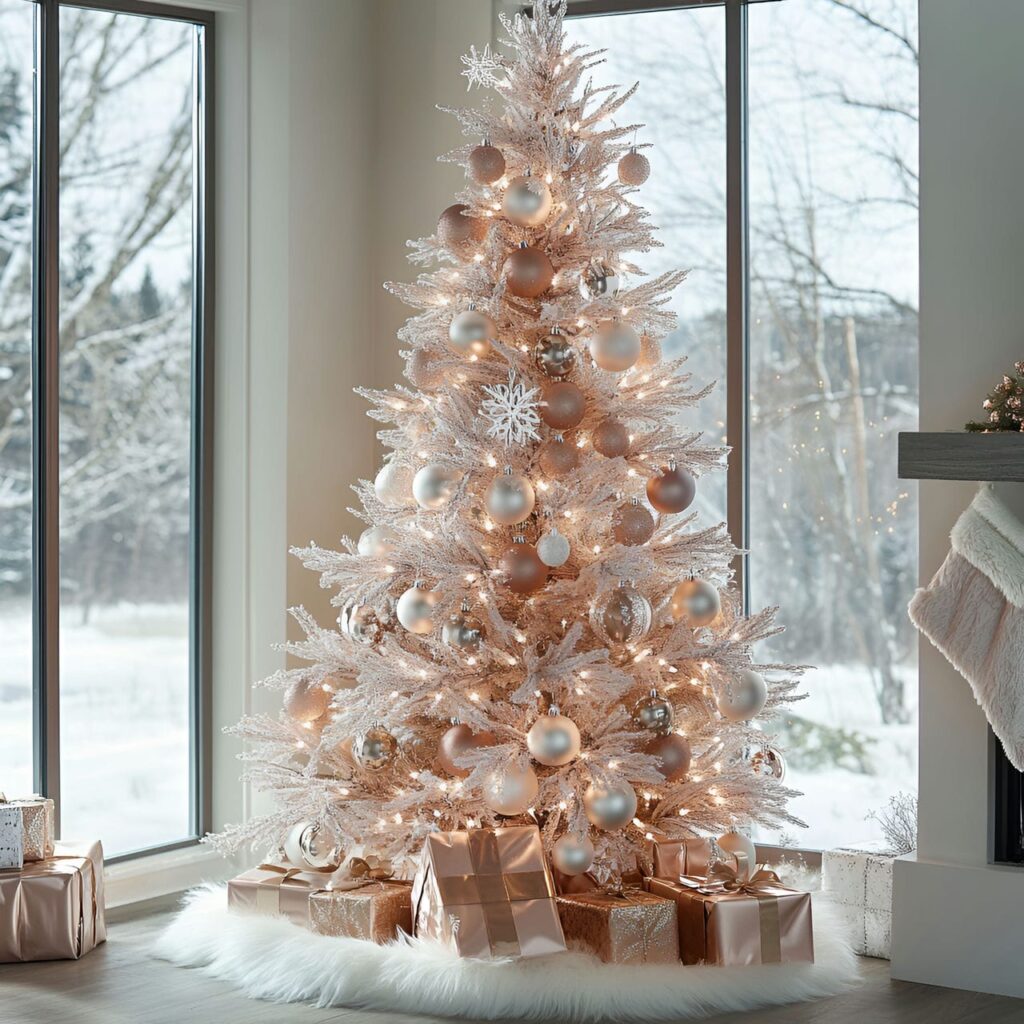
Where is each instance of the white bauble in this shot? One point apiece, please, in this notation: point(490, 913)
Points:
point(378, 542)
point(553, 740)
point(573, 854)
point(307, 845)
point(610, 806)
point(511, 791)
point(415, 609)
point(615, 346)
point(736, 842)
point(743, 696)
point(527, 201)
point(553, 549)
point(435, 484)
point(393, 485)
point(470, 333)
point(510, 498)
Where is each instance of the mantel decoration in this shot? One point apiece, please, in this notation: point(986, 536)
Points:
point(1004, 406)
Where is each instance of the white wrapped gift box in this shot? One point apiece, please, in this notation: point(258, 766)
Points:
point(858, 880)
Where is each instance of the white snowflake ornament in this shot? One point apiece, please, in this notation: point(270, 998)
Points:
point(512, 411)
point(482, 68)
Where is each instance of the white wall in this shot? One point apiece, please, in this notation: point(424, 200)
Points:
point(957, 919)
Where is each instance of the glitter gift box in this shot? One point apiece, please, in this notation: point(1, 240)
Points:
point(858, 881)
point(12, 850)
point(37, 826)
point(371, 910)
point(53, 908)
point(625, 927)
point(277, 889)
point(670, 858)
point(487, 893)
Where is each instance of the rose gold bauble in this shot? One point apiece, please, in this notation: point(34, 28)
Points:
point(632, 524)
point(674, 751)
point(459, 740)
point(563, 405)
point(421, 371)
point(558, 457)
point(306, 701)
point(456, 230)
point(634, 168)
point(486, 164)
point(611, 438)
point(671, 489)
point(523, 567)
point(528, 272)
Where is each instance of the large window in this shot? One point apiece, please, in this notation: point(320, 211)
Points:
point(103, 449)
point(808, 319)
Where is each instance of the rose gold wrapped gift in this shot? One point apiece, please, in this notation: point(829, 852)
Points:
point(53, 909)
point(625, 927)
point(37, 826)
point(725, 919)
point(277, 889)
point(671, 858)
point(371, 910)
point(487, 893)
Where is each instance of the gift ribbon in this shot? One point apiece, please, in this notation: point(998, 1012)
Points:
point(268, 892)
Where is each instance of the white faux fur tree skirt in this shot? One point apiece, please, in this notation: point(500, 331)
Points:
point(270, 958)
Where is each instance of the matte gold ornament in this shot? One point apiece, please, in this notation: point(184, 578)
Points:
point(650, 352)
point(486, 164)
point(736, 842)
point(458, 231)
point(610, 805)
point(555, 355)
point(435, 484)
point(743, 696)
point(470, 332)
point(459, 740)
point(653, 713)
point(563, 406)
point(359, 622)
point(769, 762)
point(553, 740)
point(528, 271)
point(378, 542)
point(634, 168)
point(632, 524)
point(614, 346)
point(553, 549)
point(599, 281)
point(558, 458)
point(573, 853)
point(511, 790)
point(611, 438)
point(306, 701)
point(393, 485)
point(696, 602)
point(308, 845)
point(374, 749)
point(675, 753)
point(527, 201)
point(623, 617)
point(415, 609)
point(524, 571)
point(463, 630)
point(510, 498)
point(671, 489)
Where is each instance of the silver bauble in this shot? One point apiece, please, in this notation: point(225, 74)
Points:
point(378, 542)
point(696, 602)
point(768, 762)
point(623, 617)
point(733, 843)
point(415, 609)
point(463, 631)
point(511, 790)
point(599, 281)
point(435, 484)
point(553, 740)
point(510, 498)
point(610, 806)
point(470, 333)
point(573, 854)
point(653, 713)
point(393, 485)
point(374, 749)
point(555, 355)
point(527, 201)
point(307, 845)
point(359, 622)
point(553, 549)
point(743, 696)
point(614, 346)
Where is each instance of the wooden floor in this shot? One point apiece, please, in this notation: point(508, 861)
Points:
point(120, 983)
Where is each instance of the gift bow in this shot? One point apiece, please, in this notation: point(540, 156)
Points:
point(725, 877)
point(360, 872)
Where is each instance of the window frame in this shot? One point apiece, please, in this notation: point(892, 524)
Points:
point(46, 410)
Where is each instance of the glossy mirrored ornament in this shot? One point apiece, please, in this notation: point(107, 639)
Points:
point(573, 854)
point(459, 740)
point(553, 740)
point(527, 201)
point(435, 484)
point(378, 542)
point(743, 696)
point(696, 602)
point(415, 609)
point(622, 617)
point(610, 805)
point(308, 845)
point(733, 843)
point(555, 355)
point(471, 331)
point(599, 281)
point(769, 762)
point(374, 749)
point(463, 630)
point(671, 489)
point(359, 622)
point(653, 713)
